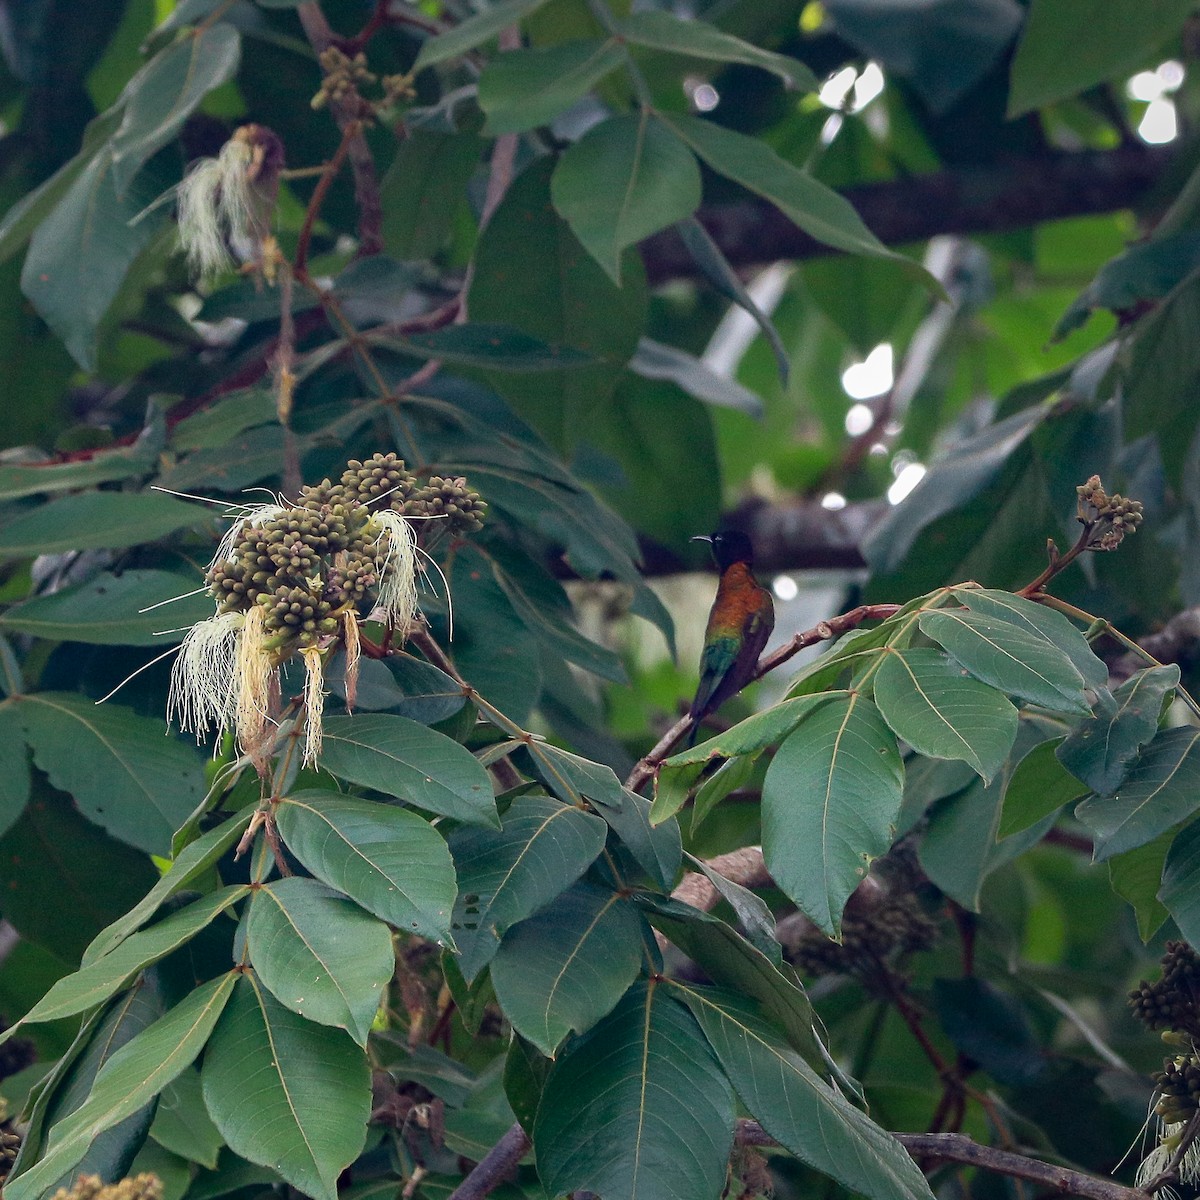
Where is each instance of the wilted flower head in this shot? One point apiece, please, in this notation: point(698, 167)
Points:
point(298, 579)
point(227, 201)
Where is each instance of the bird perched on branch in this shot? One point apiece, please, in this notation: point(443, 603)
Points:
point(739, 625)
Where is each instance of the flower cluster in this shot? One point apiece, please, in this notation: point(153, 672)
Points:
point(1170, 1004)
point(1107, 518)
point(299, 579)
point(92, 1187)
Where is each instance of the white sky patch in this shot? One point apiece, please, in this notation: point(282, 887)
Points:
point(706, 98)
point(871, 377)
point(858, 420)
point(1160, 124)
point(904, 483)
point(785, 587)
point(832, 501)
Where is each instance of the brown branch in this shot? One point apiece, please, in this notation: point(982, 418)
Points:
point(1011, 194)
point(496, 1166)
point(957, 1147)
point(328, 174)
point(744, 866)
point(347, 112)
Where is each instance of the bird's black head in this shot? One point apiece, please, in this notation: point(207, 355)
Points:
point(729, 547)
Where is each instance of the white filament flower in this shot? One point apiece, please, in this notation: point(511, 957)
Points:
point(202, 693)
point(216, 207)
point(397, 558)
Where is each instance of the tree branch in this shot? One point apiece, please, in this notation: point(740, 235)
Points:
point(1012, 194)
point(497, 1165)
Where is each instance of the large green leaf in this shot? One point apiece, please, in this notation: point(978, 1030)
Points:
point(390, 861)
point(747, 739)
point(498, 347)
point(1040, 622)
point(1179, 892)
point(626, 178)
point(638, 1107)
point(1160, 790)
point(941, 711)
point(411, 762)
point(182, 1124)
point(192, 862)
point(286, 1093)
point(565, 967)
point(133, 1076)
point(698, 39)
point(96, 519)
point(1107, 39)
point(543, 848)
point(118, 462)
point(560, 294)
point(423, 190)
point(796, 1106)
point(526, 88)
point(830, 801)
point(129, 609)
point(1100, 750)
point(658, 849)
point(1039, 786)
point(161, 96)
point(1137, 876)
point(731, 960)
point(815, 208)
point(14, 769)
point(474, 31)
point(320, 954)
point(1009, 658)
point(79, 255)
point(103, 978)
point(122, 769)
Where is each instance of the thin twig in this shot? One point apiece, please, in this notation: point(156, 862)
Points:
point(496, 1166)
point(328, 174)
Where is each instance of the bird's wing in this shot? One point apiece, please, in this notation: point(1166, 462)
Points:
point(718, 659)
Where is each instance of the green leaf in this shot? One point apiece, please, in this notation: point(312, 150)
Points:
point(699, 39)
point(796, 1106)
point(1040, 622)
point(564, 968)
point(103, 978)
point(319, 953)
point(731, 960)
point(79, 255)
point(656, 360)
point(1007, 657)
point(423, 190)
point(1039, 786)
point(1137, 875)
point(474, 31)
point(815, 208)
point(638, 1107)
point(120, 462)
point(1100, 750)
point(658, 849)
point(193, 861)
point(561, 295)
point(14, 769)
point(829, 805)
point(392, 862)
point(747, 738)
point(109, 611)
point(1107, 39)
point(989, 1027)
point(1179, 892)
point(122, 769)
point(493, 346)
point(133, 1076)
point(941, 711)
point(1160, 790)
point(543, 848)
point(411, 762)
point(182, 1124)
point(626, 178)
point(286, 1093)
point(526, 88)
point(164, 93)
point(93, 520)
point(751, 911)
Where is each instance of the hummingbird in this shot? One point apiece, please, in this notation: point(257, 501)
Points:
point(739, 625)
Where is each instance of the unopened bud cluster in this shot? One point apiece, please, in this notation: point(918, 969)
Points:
point(1109, 518)
point(345, 77)
point(1173, 1001)
point(92, 1187)
point(306, 564)
point(10, 1147)
point(874, 937)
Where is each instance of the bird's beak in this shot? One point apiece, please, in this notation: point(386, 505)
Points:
point(701, 537)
